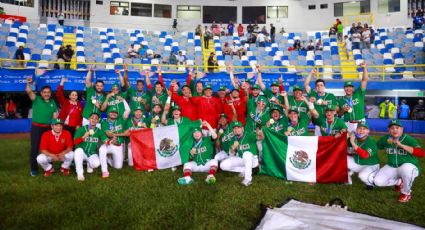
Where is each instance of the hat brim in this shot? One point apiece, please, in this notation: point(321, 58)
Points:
point(399, 125)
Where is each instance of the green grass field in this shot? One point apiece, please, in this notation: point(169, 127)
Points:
point(142, 200)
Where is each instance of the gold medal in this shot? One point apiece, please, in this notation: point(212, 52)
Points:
point(139, 99)
point(350, 110)
point(139, 124)
point(319, 102)
point(273, 99)
point(91, 131)
point(390, 141)
point(193, 151)
point(290, 128)
point(93, 101)
point(221, 131)
point(156, 117)
point(271, 121)
point(236, 143)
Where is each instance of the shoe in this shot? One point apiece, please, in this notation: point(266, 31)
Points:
point(80, 177)
point(403, 198)
point(89, 169)
point(210, 179)
point(105, 175)
point(369, 187)
point(399, 187)
point(246, 182)
point(150, 170)
point(49, 172)
point(184, 181)
point(173, 169)
point(34, 173)
point(65, 171)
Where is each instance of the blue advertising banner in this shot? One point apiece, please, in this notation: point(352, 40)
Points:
point(75, 79)
point(15, 80)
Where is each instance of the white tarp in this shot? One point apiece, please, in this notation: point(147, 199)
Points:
point(297, 215)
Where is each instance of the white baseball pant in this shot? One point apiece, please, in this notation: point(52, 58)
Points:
point(193, 167)
point(221, 156)
point(45, 161)
point(117, 153)
point(367, 173)
point(388, 176)
point(240, 165)
point(129, 155)
point(79, 156)
point(86, 122)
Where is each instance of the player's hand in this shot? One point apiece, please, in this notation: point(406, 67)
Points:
point(283, 93)
point(63, 80)
point(117, 71)
point(97, 104)
point(61, 157)
point(258, 68)
point(86, 135)
point(312, 99)
point(287, 133)
point(29, 80)
point(205, 123)
point(111, 94)
point(231, 68)
point(363, 65)
point(338, 135)
point(167, 107)
point(90, 68)
point(346, 108)
point(352, 137)
point(190, 69)
point(120, 98)
point(280, 80)
point(313, 71)
point(143, 101)
point(230, 102)
point(192, 152)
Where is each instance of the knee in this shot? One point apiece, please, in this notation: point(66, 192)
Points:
point(364, 177)
point(69, 156)
point(379, 181)
point(225, 165)
point(41, 159)
point(94, 162)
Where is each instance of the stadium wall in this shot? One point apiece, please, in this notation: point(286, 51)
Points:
point(299, 17)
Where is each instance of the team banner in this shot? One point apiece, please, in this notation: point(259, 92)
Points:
point(305, 159)
point(14, 80)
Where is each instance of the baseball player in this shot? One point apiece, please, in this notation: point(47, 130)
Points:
point(114, 127)
point(321, 97)
point(243, 153)
point(158, 93)
point(201, 155)
point(94, 97)
point(402, 168)
point(177, 119)
point(86, 140)
point(351, 106)
point(209, 107)
point(298, 125)
point(116, 99)
point(154, 118)
point(277, 122)
point(56, 145)
point(330, 125)
point(138, 97)
point(257, 115)
point(298, 103)
point(364, 159)
point(137, 122)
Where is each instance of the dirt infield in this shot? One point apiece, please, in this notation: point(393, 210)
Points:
point(15, 136)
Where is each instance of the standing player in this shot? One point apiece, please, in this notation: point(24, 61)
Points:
point(402, 168)
point(298, 125)
point(321, 97)
point(94, 97)
point(158, 93)
point(209, 107)
point(202, 156)
point(330, 125)
point(364, 159)
point(86, 140)
point(56, 145)
point(351, 106)
point(298, 102)
point(43, 111)
point(71, 109)
point(188, 109)
point(177, 118)
point(257, 115)
point(138, 97)
point(114, 127)
point(243, 153)
point(116, 99)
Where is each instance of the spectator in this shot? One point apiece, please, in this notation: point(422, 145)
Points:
point(359, 27)
point(340, 30)
point(68, 53)
point(131, 53)
point(264, 31)
point(235, 50)
point(175, 25)
point(311, 46)
point(250, 28)
point(355, 39)
point(332, 31)
point(19, 56)
point(256, 28)
point(207, 37)
point(282, 31)
point(240, 30)
point(319, 45)
point(60, 57)
point(181, 59)
point(272, 33)
point(372, 35)
point(404, 110)
point(387, 109)
point(61, 18)
point(71, 112)
point(10, 108)
point(297, 45)
point(212, 63)
point(198, 30)
point(251, 39)
point(353, 28)
point(261, 40)
point(222, 29)
point(217, 30)
point(418, 20)
point(418, 112)
point(230, 28)
point(366, 37)
point(226, 49)
point(172, 60)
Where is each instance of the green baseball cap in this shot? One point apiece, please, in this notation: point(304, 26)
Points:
point(247, 80)
point(197, 129)
point(185, 86)
point(395, 122)
point(176, 107)
point(262, 98)
point(223, 115)
point(256, 86)
point(236, 124)
point(273, 108)
point(363, 124)
point(330, 107)
point(115, 85)
point(222, 88)
point(275, 83)
point(297, 87)
point(57, 121)
point(207, 87)
point(112, 109)
point(138, 108)
point(348, 83)
point(293, 110)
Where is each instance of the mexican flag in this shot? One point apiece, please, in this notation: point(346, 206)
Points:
point(305, 159)
point(162, 147)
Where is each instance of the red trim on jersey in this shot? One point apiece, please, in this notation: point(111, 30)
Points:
point(418, 152)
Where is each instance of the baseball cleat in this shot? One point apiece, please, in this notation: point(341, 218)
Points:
point(403, 198)
point(49, 172)
point(65, 171)
point(185, 181)
point(210, 179)
point(80, 178)
point(399, 187)
point(105, 175)
point(246, 182)
point(34, 173)
point(89, 169)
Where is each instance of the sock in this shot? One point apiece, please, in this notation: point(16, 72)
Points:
point(213, 170)
point(187, 173)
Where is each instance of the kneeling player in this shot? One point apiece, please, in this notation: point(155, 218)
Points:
point(86, 140)
point(402, 167)
point(56, 145)
point(365, 156)
point(243, 153)
point(201, 156)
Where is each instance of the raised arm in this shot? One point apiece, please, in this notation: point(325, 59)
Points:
point(30, 93)
point(232, 78)
point(285, 106)
point(148, 79)
point(164, 120)
point(260, 79)
point(59, 94)
point(127, 84)
point(127, 109)
point(212, 131)
point(160, 79)
point(308, 79)
point(281, 87)
point(311, 108)
point(88, 76)
point(365, 77)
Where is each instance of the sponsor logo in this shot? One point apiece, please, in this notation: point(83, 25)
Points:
point(167, 148)
point(300, 160)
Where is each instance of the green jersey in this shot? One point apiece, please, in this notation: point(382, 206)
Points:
point(90, 143)
point(255, 118)
point(247, 143)
point(117, 103)
point(300, 129)
point(226, 139)
point(396, 155)
point(183, 120)
point(155, 98)
point(117, 126)
point(134, 124)
point(356, 103)
point(368, 145)
point(329, 98)
point(330, 128)
point(136, 99)
point(91, 99)
point(280, 125)
point(157, 120)
point(204, 150)
point(43, 110)
point(273, 97)
point(300, 106)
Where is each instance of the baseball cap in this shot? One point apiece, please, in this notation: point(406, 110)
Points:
point(247, 80)
point(262, 98)
point(185, 86)
point(330, 107)
point(363, 124)
point(175, 107)
point(237, 89)
point(293, 110)
point(223, 115)
point(236, 124)
point(197, 129)
point(394, 122)
point(348, 83)
point(138, 108)
point(57, 121)
point(275, 83)
point(207, 87)
point(297, 87)
point(112, 109)
point(273, 108)
point(222, 88)
point(256, 86)
point(115, 85)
